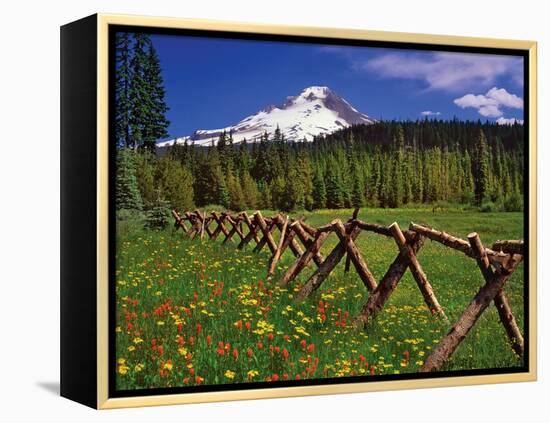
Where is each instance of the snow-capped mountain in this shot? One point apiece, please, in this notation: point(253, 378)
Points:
point(316, 110)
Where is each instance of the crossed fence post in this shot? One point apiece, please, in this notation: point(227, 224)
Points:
point(496, 265)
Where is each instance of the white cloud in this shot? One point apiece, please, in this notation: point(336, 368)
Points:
point(430, 113)
point(445, 71)
point(509, 121)
point(491, 103)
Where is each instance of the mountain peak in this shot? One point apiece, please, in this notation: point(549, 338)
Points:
point(316, 110)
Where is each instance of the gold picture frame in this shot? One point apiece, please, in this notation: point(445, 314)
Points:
point(93, 33)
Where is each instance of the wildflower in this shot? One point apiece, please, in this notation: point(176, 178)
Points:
point(310, 348)
point(229, 374)
point(235, 353)
point(199, 329)
point(251, 374)
point(167, 365)
point(186, 381)
point(208, 340)
point(259, 345)
point(239, 324)
point(270, 336)
point(303, 344)
point(199, 380)
point(285, 376)
point(180, 327)
point(285, 354)
point(274, 377)
point(191, 340)
point(249, 352)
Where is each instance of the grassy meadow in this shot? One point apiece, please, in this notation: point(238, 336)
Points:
point(191, 312)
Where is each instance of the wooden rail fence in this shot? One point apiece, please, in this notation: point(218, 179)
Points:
point(496, 264)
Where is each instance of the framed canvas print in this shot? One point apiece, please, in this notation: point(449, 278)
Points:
point(254, 211)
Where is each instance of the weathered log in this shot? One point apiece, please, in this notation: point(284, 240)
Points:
point(501, 301)
point(469, 317)
point(373, 227)
point(309, 229)
point(220, 223)
point(252, 234)
point(416, 269)
point(235, 226)
point(194, 228)
point(294, 246)
point(461, 245)
point(348, 258)
point(303, 261)
point(266, 232)
point(179, 223)
point(509, 247)
point(297, 227)
point(279, 250)
point(510, 324)
point(328, 266)
point(355, 256)
point(389, 282)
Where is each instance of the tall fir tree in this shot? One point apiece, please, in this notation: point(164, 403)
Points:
point(481, 173)
point(122, 89)
point(127, 195)
point(156, 124)
point(139, 93)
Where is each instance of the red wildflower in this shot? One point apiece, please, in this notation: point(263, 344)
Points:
point(259, 345)
point(285, 376)
point(303, 344)
point(249, 352)
point(199, 329)
point(274, 377)
point(199, 380)
point(310, 348)
point(235, 354)
point(208, 340)
point(239, 324)
point(372, 370)
point(191, 340)
point(298, 377)
point(270, 336)
point(160, 349)
point(247, 325)
point(186, 381)
point(285, 354)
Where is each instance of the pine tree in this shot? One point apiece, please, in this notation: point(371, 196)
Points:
point(250, 190)
point(358, 189)
point(139, 94)
point(122, 89)
point(236, 196)
point(158, 213)
point(481, 173)
point(335, 199)
point(319, 190)
point(176, 182)
point(156, 123)
point(127, 195)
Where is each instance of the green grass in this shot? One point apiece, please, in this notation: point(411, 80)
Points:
point(168, 285)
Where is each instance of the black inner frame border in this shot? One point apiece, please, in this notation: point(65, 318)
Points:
point(316, 40)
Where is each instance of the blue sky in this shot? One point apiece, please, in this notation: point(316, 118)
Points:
point(213, 83)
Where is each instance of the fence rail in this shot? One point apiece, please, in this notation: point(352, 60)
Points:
point(496, 264)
